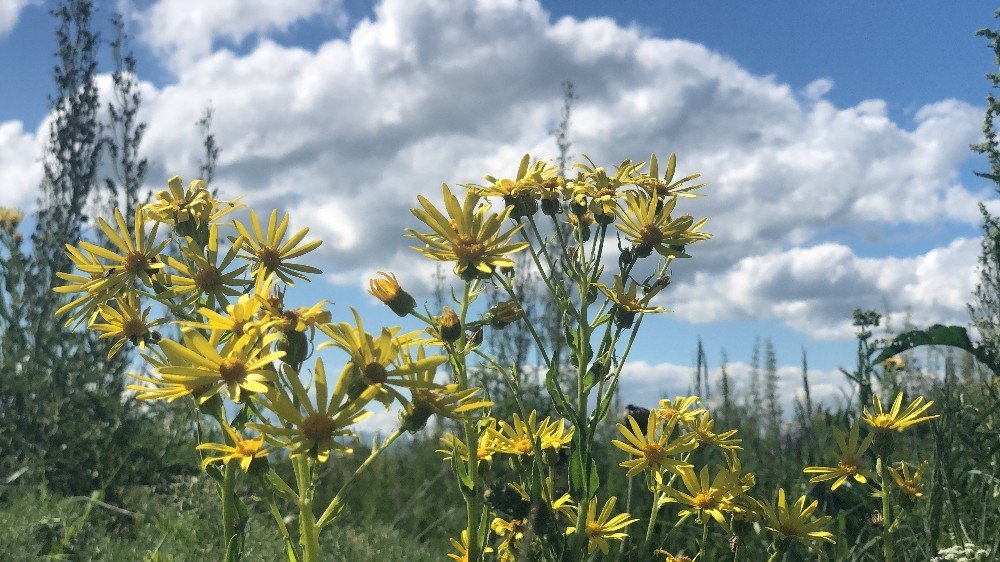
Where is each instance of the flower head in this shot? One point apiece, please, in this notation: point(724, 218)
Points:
point(469, 236)
point(126, 321)
point(602, 527)
point(388, 291)
point(895, 419)
point(175, 205)
point(271, 253)
point(794, 522)
point(646, 222)
point(848, 462)
point(246, 451)
point(313, 426)
point(653, 452)
point(706, 497)
point(909, 484)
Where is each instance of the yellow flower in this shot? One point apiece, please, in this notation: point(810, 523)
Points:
point(447, 401)
point(94, 285)
point(176, 205)
point(389, 292)
point(204, 275)
point(602, 527)
point(896, 362)
point(461, 547)
point(136, 258)
point(627, 303)
point(271, 253)
point(127, 321)
point(909, 484)
point(668, 557)
point(240, 317)
point(704, 433)
point(520, 438)
point(453, 445)
point(794, 522)
point(849, 461)
point(652, 452)
point(706, 497)
point(600, 192)
point(242, 366)
point(650, 228)
point(657, 187)
point(384, 362)
point(882, 421)
point(682, 408)
point(312, 427)
point(469, 236)
point(511, 532)
point(10, 217)
point(244, 450)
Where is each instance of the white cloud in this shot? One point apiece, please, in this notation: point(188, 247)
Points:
point(814, 289)
point(10, 12)
point(183, 31)
point(20, 164)
point(348, 134)
point(644, 383)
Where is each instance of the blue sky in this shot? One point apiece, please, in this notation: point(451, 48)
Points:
point(834, 136)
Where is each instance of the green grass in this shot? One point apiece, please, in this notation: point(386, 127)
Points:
point(177, 526)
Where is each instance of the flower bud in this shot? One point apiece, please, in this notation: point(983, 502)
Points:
point(389, 292)
point(550, 207)
point(449, 325)
point(415, 418)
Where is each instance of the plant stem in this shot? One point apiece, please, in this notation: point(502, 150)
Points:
point(229, 503)
point(774, 555)
point(704, 540)
point(308, 531)
point(887, 546)
point(653, 512)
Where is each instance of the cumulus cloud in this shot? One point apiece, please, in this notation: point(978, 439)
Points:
point(20, 163)
point(346, 135)
point(183, 31)
point(814, 289)
point(10, 12)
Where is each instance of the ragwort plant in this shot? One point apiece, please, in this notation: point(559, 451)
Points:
point(242, 352)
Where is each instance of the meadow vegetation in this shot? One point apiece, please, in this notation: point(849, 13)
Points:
point(161, 400)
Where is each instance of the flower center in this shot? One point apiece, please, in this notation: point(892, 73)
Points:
point(233, 369)
point(208, 279)
point(667, 414)
point(374, 373)
point(594, 529)
point(848, 466)
point(133, 328)
point(468, 250)
point(788, 530)
point(883, 422)
point(650, 235)
point(249, 447)
point(523, 446)
point(654, 454)
point(705, 500)
point(269, 258)
point(318, 427)
point(136, 262)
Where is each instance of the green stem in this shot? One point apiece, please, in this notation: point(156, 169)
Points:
point(229, 502)
point(653, 512)
point(774, 555)
point(308, 530)
point(333, 509)
point(704, 540)
point(887, 542)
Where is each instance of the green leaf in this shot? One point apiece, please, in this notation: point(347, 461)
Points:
point(594, 481)
point(951, 336)
point(576, 471)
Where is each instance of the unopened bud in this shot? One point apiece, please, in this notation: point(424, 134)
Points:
point(449, 325)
